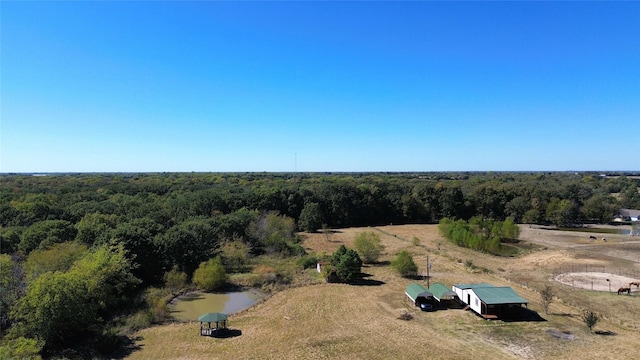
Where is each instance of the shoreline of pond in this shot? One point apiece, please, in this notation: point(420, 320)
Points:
point(257, 295)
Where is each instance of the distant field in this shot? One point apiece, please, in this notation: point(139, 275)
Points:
point(597, 230)
point(329, 321)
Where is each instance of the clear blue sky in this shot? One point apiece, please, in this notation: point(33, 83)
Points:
point(319, 86)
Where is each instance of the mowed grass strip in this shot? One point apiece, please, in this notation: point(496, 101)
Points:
point(331, 321)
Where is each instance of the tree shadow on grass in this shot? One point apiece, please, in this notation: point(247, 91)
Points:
point(367, 282)
point(605, 332)
point(126, 347)
point(380, 263)
point(417, 277)
point(226, 333)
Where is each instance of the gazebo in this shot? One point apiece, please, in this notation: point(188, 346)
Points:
point(219, 319)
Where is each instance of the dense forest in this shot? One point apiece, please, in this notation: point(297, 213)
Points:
point(78, 250)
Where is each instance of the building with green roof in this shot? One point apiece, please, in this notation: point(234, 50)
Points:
point(444, 295)
point(490, 301)
point(419, 295)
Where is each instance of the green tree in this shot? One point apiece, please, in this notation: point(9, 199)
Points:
point(517, 207)
point(630, 197)
point(59, 307)
point(311, 218)
point(210, 275)
point(188, 244)
point(562, 212)
point(8, 215)
point(404, 264)
point(509, 230)
point(10, 287)
point(236, 253)
point(59, 257)
point(413, 209)
point(46, 233)
point(175, 279)
point(107, 276)
point(273, 232)
point(335, 257)
point(531, 216)
point(95, 228)
point(599, 208)
point(55, 309)
point(21, 348)
point(138, 237)
point(368, 246)
point(37, 207)
point(349, 266)
point(10, 238)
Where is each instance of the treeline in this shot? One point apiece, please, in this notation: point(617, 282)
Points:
point(479, 234)
point(138, 229)
point(340, 200)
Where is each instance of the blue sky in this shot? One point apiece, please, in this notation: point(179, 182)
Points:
point(319, 86)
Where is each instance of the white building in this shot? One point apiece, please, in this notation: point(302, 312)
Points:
point(490, 301)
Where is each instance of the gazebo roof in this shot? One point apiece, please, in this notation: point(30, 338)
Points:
point(212, 317)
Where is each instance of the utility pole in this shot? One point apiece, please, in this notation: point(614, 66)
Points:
point(428, 267)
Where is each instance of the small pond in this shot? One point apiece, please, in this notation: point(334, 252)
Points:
point(190, 306)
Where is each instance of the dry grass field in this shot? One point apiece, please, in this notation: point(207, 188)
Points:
point(329, 321)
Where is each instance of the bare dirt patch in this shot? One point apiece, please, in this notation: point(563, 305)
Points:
point(596, 281)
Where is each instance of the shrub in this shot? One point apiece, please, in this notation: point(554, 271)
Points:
point(175, 280)
point(404, 264)
point(156, 300)
point(307, 261)
point(546, 296)
point(210, 275)
point(296, 250)
point(590, 319)
point(137, 321)
point(369, 246)
point(21, 348)
point(236, 253)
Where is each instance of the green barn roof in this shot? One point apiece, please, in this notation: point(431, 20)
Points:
point(441, 292)
point(416, 290)
point(473, 286)
point(499, 295)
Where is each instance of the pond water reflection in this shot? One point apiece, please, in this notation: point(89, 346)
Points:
point(189, 307)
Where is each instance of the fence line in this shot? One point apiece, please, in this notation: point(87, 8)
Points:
point(596, 268)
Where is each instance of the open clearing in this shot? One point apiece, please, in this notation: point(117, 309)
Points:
point(596, 281)
point(329, 321)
